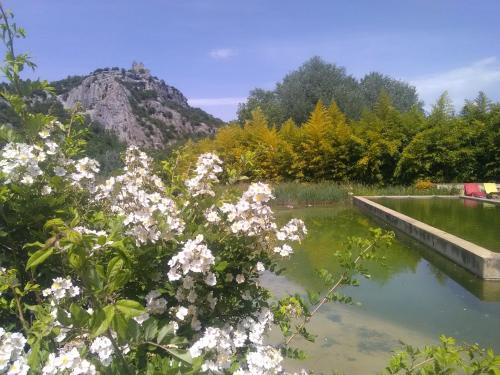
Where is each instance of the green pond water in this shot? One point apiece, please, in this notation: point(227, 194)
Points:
point(416, 297)
point(471, 220)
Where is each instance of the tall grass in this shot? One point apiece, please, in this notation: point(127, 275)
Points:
point(295, 193)
point(322, 193)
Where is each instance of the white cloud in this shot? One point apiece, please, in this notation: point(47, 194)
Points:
point(461, 83)
point(207, 102)
point(222, 53)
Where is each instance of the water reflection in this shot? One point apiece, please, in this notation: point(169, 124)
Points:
point(473, 221)
point(416, 297)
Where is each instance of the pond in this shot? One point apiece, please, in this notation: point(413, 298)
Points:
point(416, 297)
point(473, 221)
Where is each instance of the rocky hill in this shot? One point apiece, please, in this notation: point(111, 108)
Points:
point(138, 107)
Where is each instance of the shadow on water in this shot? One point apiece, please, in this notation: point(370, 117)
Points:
point(484, 290)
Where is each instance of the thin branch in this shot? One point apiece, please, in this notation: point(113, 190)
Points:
point(20, 312)
point(326, 297)
point(164, 347)
point(118, 352)
point(10, 46)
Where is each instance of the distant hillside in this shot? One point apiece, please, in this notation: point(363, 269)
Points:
point(136, 106)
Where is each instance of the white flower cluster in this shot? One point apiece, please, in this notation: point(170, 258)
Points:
point(68, 362)
point(138, 196)
point(207, 169)
point(94, 235)
point(19, 162)
point(265, 360)
point(187, 292)
point(12, 356)
point(60, 289)
point(195, 257)
point(23, 163)
point(220, 345)
point(294, 230)
point(103, 347)
point(251, 215)
point(155, 304)
point(85, 171)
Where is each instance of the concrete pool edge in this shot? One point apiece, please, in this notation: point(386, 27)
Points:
point(478, 260)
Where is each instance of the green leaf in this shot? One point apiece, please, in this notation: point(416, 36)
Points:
point(150, 327)
point(182, 355)
point(63, 318)
point(128, 330)
point(38, 257)
point(129, 307)
point(102, 320)
point(80, 316)
point(56, 223)
point(166, 331)
point(114, 267)
point(221, 266)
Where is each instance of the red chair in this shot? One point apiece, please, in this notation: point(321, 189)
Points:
point(474, 190)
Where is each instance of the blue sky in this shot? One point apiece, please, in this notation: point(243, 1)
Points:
point(216, 51)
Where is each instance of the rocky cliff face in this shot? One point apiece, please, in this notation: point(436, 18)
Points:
point(139, 108)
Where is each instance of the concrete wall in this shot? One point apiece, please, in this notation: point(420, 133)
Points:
point(480, 261)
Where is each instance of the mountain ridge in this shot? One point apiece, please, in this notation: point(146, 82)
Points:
point(138, 107)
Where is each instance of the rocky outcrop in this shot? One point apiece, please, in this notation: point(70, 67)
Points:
point(139, 108)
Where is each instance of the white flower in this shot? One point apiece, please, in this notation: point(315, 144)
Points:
point(259, 192)
point(194, 257)
point(207, 168)
point(18, 367)
point(141, 318)
point(181, 313)
point(19, 162)
point(251, 215)
point(44, 134)
point(265, 360)
point(46, 190)
point(59, 171)
point(240, 278)
point(210, 279)
point(12, 356)
point(27, 180)
point(260, 267)
point(283, 250)
point(139, 197)
point(61, 288)
point(103, 347)
point(51, 147)
point(68, 362)
point(195, 323)
point(86, 169)
point(154, 303)
point(212, 216)
point(294, 230)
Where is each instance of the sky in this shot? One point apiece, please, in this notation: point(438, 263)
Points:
point(216, 51)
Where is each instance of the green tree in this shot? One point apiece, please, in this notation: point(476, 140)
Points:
point(403, 95)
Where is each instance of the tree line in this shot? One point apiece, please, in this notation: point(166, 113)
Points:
point(386, 145)
point(299, 91)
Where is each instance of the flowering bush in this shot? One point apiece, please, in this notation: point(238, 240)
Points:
point(424, 185)
point(127, 278)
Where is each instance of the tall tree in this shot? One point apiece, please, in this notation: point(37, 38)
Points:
point(299, 91)
point(403, 95)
